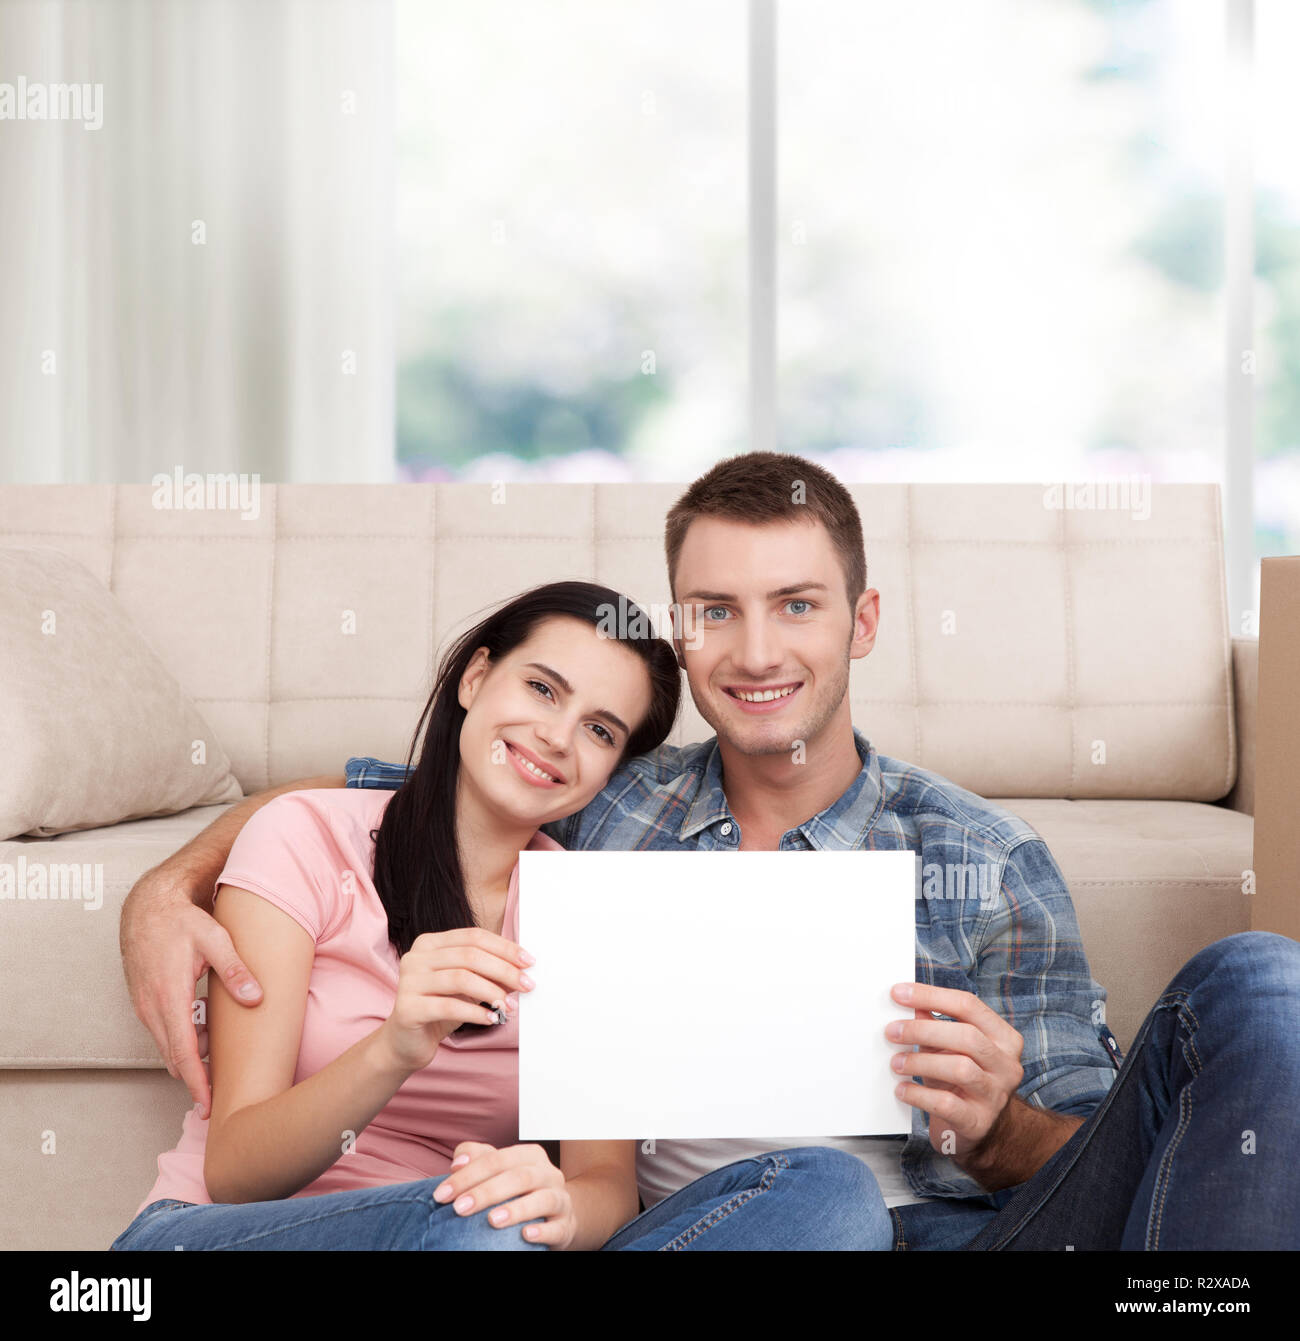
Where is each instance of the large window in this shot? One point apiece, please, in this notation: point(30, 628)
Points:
point(1001, 232)
point(1277, 273)
point(572, 225)
point(998, 235)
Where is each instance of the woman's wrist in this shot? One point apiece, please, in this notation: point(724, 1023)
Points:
point(384, 1061)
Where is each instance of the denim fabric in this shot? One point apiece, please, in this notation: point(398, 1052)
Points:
point(394, 1216)
point(1194, 1146)
point(993, 912)
point(808, 1197)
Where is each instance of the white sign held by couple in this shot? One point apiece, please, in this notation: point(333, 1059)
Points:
point(700, 995)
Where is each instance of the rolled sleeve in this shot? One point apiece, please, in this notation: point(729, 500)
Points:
point(1032, 968)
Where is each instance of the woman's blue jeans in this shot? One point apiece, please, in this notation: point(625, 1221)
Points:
point(1194, 1145)
point(808, 1197)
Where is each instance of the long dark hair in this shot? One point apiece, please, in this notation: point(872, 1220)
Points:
point(418, 871)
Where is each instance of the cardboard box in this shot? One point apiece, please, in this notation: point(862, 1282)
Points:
point(1276, 905)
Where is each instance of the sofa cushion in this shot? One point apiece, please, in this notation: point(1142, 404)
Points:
point(1152, 882)
point(93, 727)
point(59, 958)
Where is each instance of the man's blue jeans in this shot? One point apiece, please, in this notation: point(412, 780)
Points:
point(1194, 1146)
point(807, 1197)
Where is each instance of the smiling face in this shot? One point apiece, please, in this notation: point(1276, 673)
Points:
point(775, 630)
point(545, 725)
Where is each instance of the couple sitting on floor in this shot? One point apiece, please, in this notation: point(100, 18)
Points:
point(366, 971)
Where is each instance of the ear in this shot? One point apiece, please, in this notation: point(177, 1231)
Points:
point(473, 677)
point(866, 620)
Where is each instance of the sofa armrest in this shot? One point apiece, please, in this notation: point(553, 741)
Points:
point(1245, 697)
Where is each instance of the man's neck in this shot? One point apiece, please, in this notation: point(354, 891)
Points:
point(771, 793)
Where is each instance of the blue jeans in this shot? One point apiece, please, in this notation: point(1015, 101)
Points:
point(396, 1215)
point(809, 1197)
point(1194, 1145)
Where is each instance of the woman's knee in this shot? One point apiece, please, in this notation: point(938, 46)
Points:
point(845, 1197)
point(449, 1232)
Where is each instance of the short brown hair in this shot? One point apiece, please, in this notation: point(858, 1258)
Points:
point(761, 487)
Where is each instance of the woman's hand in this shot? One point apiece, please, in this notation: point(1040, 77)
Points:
point(441, 981)
point(520, 1182)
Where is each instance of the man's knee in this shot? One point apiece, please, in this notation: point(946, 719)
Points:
point(1251, 955)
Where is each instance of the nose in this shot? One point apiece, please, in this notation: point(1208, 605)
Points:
point(759, 652)
point(556, 734)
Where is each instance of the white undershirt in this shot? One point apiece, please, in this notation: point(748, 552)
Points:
point(676, 1163)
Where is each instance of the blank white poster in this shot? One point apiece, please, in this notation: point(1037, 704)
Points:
point(713, 994)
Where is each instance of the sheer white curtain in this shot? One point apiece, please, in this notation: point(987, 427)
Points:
point(206, 280)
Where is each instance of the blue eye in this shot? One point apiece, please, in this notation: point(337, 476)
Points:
point(608, 734)
point(799, 600)
point(709, 608)
point(544, 686)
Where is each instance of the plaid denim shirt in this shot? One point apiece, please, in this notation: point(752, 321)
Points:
point(993, 913)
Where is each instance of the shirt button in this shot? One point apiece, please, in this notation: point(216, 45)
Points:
point(726, 829)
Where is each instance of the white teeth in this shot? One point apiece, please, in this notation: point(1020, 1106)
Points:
point(532, 768)
point(766, 696)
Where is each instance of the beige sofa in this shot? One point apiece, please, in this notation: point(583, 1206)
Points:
point(1015, 637)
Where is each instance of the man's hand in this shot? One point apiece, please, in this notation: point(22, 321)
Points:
point(168, 938)
point(166, 944)
point(970, 1065)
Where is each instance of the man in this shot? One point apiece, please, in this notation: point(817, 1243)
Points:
point(1027, 1130)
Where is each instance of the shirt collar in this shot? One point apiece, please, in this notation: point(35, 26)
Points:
point(843, 824)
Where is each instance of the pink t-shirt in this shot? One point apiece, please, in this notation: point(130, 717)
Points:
point(295, 852)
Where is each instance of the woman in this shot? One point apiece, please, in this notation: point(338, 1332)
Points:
point(379, 1071)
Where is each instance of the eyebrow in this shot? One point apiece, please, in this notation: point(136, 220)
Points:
point(792, 590)
point(568, 689)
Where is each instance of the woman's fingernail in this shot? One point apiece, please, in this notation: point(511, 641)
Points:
point(525, 981)
point(459, 1160)
point(442, 1192)
point(248, 990)
point(498, 1216)
point(464, 1204)
point(526, 958)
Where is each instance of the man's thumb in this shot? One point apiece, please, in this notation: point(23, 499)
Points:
point(232, 970)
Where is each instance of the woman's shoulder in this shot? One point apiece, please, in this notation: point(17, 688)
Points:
point(311, 805)
point(326, 817)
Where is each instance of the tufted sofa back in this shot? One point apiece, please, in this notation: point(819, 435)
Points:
point(1031, 643)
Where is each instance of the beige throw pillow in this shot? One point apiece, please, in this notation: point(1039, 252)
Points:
point(93, 727)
